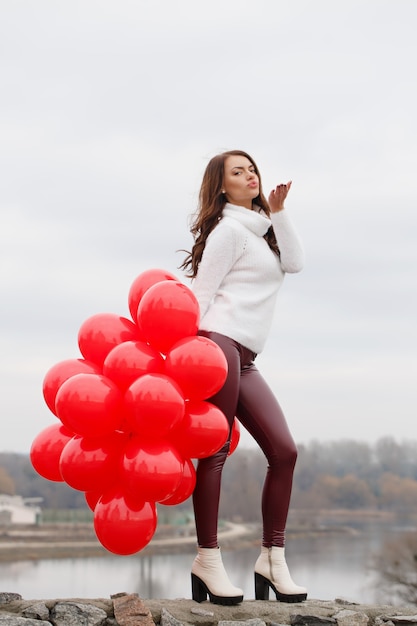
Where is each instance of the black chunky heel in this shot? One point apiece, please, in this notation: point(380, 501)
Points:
point(198, 588)
point(200, 591)
point(262, 586)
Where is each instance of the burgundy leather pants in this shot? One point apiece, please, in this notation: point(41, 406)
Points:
point(247, 396)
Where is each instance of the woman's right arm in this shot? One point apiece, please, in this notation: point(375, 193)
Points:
point(289, 243)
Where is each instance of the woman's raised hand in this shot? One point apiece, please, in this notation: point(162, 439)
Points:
point(277, 197)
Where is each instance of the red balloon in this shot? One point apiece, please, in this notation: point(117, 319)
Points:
point(60, 372)
point(122, 524)
point(154, 405)
point(102, 332)
point(185, 487)
point(234, 441)
point(152, 470)
point(92, 497)
point(92, 463)
point(167, 312)
point(130, 360)
point(203, 431)
point(141, 284)
point(46, 450)
point(89, 405)
point(198, 365)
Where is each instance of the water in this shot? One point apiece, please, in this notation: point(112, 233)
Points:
point(330, 566)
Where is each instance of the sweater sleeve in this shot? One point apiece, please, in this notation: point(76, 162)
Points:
point(289, 243)
point(223, 247)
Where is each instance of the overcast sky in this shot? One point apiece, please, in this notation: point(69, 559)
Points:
point(110, 111)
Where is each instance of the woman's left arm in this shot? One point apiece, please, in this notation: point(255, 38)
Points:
point(289, 243)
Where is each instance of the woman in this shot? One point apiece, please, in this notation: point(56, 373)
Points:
point(243, 246)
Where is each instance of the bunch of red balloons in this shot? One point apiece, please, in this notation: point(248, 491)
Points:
point(133, 411)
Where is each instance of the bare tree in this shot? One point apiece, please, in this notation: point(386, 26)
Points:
point(396, 567)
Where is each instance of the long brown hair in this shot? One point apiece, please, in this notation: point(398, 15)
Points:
point(210, 207)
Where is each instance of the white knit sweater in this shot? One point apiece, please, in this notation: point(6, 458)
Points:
point(239, 276)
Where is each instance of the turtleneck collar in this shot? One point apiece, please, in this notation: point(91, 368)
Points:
point(254, 221)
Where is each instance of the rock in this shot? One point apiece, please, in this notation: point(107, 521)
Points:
point(311, 620)
point(395, 620)
point(129, 610)
point(77, 614)
point(169, 620)
point(39, 611)
point(12, 620)
point(6, 597)
point(248, 622)
point(202, 612)
point(348, 617)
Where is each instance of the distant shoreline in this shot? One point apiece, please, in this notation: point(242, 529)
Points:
point(78, 540)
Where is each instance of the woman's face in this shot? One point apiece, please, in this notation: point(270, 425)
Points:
point(240, 182)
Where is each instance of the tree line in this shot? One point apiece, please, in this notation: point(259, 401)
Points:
point(343, 474)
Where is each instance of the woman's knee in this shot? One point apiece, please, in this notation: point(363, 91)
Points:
point(285, 456)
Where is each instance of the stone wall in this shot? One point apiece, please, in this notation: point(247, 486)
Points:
point(129, 610)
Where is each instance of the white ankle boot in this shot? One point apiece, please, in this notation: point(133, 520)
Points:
point(271, 570)
point(208, 577)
